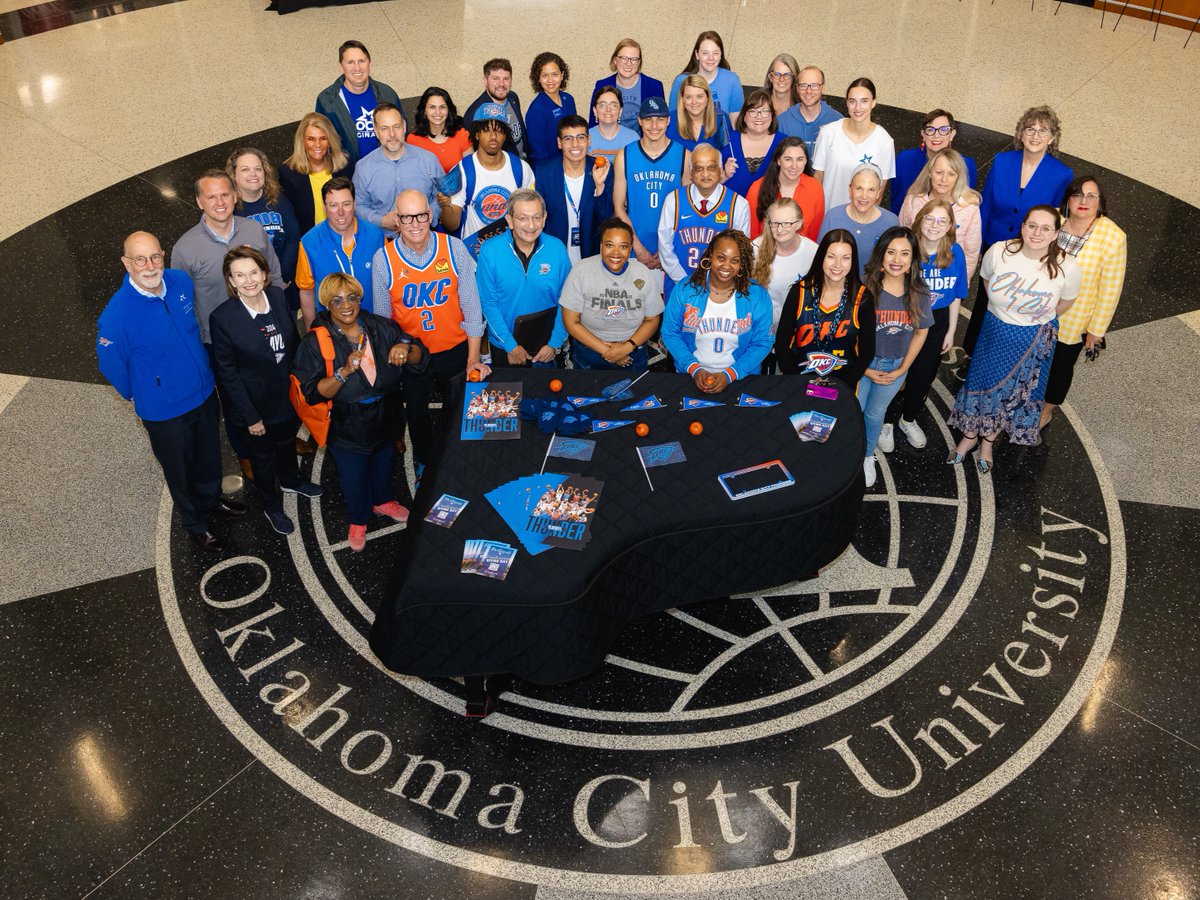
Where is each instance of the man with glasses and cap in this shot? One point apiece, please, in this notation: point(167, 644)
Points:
point(425, 282)
point(149, 349)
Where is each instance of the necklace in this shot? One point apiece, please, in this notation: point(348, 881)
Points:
point(824, 339)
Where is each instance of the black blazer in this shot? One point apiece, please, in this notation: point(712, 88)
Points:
point(298, 189)
point(257, 386)
point(593, 210)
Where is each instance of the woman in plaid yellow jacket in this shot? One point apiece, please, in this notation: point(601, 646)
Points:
point(1098, 246)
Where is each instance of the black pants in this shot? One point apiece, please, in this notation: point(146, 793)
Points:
point(273, 457)
point(237, 434)
point(925, 367)
point(977, 311)
point(1062, 371)
point(188, 447)
point(366, 480)
point(443, 366)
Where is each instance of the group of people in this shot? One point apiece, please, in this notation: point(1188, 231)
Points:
point(740, 231)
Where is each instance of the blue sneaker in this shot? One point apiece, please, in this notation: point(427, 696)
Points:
point(280, 522)
point(307, 488)
point(418, 471)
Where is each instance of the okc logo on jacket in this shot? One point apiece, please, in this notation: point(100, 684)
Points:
point(823, 363)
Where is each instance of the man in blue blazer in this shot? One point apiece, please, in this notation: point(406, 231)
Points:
point(577, 191)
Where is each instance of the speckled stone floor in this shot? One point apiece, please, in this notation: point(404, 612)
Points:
point(991, 695)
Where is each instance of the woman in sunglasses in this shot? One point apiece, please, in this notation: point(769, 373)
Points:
point(369, 352)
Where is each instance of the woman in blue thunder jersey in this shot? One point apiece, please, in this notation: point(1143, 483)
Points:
point(944, 270)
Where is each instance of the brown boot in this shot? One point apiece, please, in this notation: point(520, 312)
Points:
point(305, 447)
point(247, 471)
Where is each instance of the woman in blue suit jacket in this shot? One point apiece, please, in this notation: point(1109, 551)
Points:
point(254, 340)
point(1020, 179)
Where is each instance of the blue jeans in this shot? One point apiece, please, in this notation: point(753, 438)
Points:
point(874, 399)
point(366, 480)
point(587, 358)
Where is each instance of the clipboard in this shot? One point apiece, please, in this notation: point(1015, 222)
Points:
point(532, 330)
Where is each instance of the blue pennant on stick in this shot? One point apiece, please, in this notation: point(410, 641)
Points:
point(579, 402)
point(747, 400)
point(609, 425)
point(697, 403)
point(650, 402)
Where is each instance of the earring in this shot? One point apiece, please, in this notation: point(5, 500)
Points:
point(705, 263)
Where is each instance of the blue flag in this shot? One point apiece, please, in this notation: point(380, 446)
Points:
point(578, 402)
point(608, 425)
point(650, 402)
point(747, 400)
point(695, 403)
point(572, 448)
point(661, 454)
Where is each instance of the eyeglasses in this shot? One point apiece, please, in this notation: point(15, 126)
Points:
point(780, 76)
point(629, 60)
point(409, 218)
point(140, 262)
point(1090, 198)
point(344, 300)
point(573, 138)
point(1034, 131)
point(811, 85)
point(1039, 229)
point(785, 226)
point(608, 104)
point(937, 221)
point(943, 130)
point(761, 113)
point(529, 220)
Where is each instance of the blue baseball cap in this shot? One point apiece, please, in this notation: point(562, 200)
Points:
point(493, 111)
point(654, 107)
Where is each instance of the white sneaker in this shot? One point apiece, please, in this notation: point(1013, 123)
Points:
point(869, 470)
point(913, 432)
point(887, 439)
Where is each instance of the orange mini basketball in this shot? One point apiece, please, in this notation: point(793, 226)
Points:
point(642, 429)
point(695, 428)
point(555, 385)
point(601, 162)
point(473, 375)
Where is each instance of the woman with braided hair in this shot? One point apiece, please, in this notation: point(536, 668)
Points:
point(717, 324)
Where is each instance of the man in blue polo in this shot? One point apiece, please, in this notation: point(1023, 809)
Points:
point(344, 242)
point(522, 271)
point(806, 118)
point(149, 349)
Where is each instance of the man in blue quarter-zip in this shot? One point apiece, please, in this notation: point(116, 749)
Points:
point(520, 272)
point(149, 349)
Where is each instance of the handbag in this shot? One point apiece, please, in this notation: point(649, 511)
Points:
point(315, 416)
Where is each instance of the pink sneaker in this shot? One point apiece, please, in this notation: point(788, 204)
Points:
point(392, 510)
point(358, 537)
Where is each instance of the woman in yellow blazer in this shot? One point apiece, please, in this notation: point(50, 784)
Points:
point(1098, 246)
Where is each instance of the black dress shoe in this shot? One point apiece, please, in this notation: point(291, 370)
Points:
point(231, 508)
point(208, 541)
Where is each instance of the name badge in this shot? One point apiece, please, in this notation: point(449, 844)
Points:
point(575, 237)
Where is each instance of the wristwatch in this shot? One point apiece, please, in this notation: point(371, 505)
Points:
point(337, 373)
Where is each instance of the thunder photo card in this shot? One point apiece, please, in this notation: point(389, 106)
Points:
point(491, 411)
point(563, 514)
point(446, 510)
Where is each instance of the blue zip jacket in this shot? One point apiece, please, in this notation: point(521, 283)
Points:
point(323, 247)
point(149, 349)
point(508, 290)
point(679, 328)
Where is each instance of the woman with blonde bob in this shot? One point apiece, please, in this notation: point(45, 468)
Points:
point(369, 352)
point(628, 77)
point(695, 119)
point(944, 177)
point(317, 156)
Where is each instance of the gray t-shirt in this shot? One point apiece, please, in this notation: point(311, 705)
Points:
point(894, 326)
point(612, 307)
